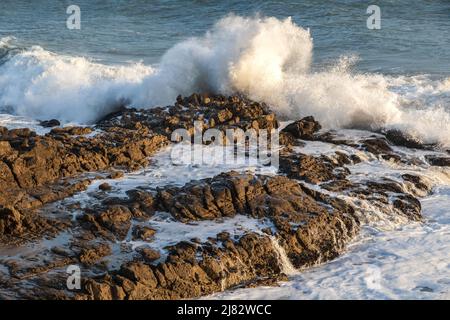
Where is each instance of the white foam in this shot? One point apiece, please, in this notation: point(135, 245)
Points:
point(170, 232)
point(266, 58)
point(40, 84)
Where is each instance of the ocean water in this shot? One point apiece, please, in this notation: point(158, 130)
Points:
point(302, 57)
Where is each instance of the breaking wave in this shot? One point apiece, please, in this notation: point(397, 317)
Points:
point(264, 58)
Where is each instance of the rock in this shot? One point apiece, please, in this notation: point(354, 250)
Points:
point(307, 226)
point(223, 236)
point(438, 161)
point(308, 230)
point(71, 131)
point(143, 233)
point(402, 139)
point(29, 162)
point(288, 139)
point(149, 255)
point(377, 146)
point(216, 111)
point(103, 291)
point(115, 219)
point(418, 182)
point(303, 129)
point(105, 186)
point(10, 221)
point(5, 149)
point(116, 175)
point(310, 168)
point(91, 255)
point(409, 206)
point(61, 251)
point(50, 123)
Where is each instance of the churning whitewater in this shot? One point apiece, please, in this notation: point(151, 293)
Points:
point(265, 58)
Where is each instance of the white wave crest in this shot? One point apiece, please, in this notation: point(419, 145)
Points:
point(267, 59)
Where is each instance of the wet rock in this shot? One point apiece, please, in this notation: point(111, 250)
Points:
point(105, 187)
point(402, 139)
point(71, 131)
point(116, 175)
point(309, 226)
point(140, 203)
point(216, 111)
point(303, 129)
point(110, 222)
point(143, 233)
point(306, 225)
point(223, 236)
point(32, 167)
point(61, 251)
point(438, 161)
point(10, 221)
point(377, 146)
point(391, 157)
point(50, 123)
point(419, 183)
point(91, 255)
point(310, 168)
point(149, 255)
point(409, 206)
point(288, 140)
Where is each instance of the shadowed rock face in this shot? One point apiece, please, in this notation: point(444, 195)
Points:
point(438, 161)
point(400, 138)
point(303, 129)
point(300, 226)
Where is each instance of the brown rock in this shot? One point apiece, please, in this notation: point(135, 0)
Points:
point(92, 255)
point(10, 221)
point(50, 123)
point(143, 233)
point(438, 161)
point(400, 138)
point(149, 255)
point(105, 186)
point(303, 129)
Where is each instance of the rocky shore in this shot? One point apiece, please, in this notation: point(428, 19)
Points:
point(303, 215)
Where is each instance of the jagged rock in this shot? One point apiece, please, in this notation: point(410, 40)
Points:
point(116, 175)
point(10, 221)
point(377, 146)
point(418, 182)
point(303, 129)
point(223, 236)
point(149, 255)
point(143, 233)
point(71, 131)
point(105, 186)
point(310, 168)
point(32, 167)
point(306, 225)
point(91, 255)
point(403, 139)
point(310, 227)
point(50, 123)
point(113, 221)
point(438, 161)
point(216, 111)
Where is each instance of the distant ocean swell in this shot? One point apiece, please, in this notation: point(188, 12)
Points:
point(264, 58)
